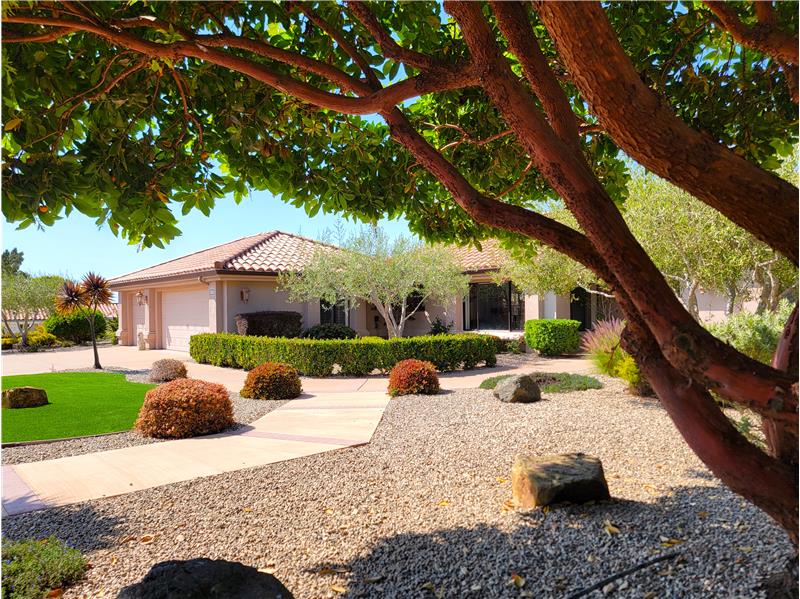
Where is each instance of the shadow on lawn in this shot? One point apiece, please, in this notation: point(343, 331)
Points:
point(79, 526)
point(566, 550)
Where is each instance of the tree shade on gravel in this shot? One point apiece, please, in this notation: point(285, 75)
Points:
point(81, 403)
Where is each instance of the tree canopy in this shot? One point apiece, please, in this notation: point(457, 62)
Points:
point(465, 117)
point(397, 276)
point(26, 300)
point(12, 261)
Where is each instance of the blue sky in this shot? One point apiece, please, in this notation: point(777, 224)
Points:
point(75, 245)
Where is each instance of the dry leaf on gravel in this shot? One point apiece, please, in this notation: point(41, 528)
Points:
point(326, 570)
point(247, 509)
point(373, 579)
point(338, 588)
point(669, 542)
point(702, 515)
point(147, 539)
point(444, 503)
point(517, 580)
point(502, 480)
point(610, 528)
point(56, 592)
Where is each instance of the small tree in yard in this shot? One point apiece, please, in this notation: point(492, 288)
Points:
point(397, 276)
point(25, 300)
point(86, 298)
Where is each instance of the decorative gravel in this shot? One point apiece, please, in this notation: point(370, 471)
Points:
point(421, 511)
point(245, 411)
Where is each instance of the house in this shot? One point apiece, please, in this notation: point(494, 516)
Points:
point(164, 305)
point(161, 307)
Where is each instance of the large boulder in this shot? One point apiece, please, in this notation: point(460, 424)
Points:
point(543, 480)
point(203, 578)
point(24, 397)
point(521, 388)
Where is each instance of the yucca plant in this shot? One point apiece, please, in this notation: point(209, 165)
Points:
point(86, 298)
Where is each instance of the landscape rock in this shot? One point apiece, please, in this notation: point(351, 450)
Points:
point(518, 389)
point(544, 480)
point(203, 578)
point(24, 397)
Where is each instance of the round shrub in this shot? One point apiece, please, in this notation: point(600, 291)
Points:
point(330, 331)
point(167, 370)
point(185, 408)
point(75, 327)
point(554, 336)
point(413, 377)
point(272, 380)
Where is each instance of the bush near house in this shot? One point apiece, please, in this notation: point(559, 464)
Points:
point(551, 337)
point(74, 327)
point(38, 339)
point(755, 335)
point(317, 357)
point(167, 370)
point(270, 323)
point(413, 377)
point(272, 380)
point(185, 408)
point(33, 568)
point(330, 331)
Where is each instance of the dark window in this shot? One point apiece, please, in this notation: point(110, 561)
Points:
point(494, 307)
point(333, 314)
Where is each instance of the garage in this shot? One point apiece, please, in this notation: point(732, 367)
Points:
point(184, 313)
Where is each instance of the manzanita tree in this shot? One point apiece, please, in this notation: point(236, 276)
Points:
point(131, 111)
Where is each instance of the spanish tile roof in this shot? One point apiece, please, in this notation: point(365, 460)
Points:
point(272, 252)
point(490, 257)
point(109, 311)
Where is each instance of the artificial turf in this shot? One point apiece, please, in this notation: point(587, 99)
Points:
point(81, 403)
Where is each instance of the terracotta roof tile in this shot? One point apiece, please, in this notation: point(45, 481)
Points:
point(271, 252)
point(109, 311)
point(490, 257)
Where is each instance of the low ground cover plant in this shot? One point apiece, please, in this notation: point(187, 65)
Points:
point(354, 357)
point(34, 568)
point(167, 369)
point(552, 337)
point(413, 377)
point(272, 380)
point(185, 408)
point(330, 331)
point(551, 382)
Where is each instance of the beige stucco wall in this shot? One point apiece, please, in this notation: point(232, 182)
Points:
point(264, 295)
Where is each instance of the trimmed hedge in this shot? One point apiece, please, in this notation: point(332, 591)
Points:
point(330, 331)
point(356, 357)
point(75, 327)
point(269, 324)
point(551, 337)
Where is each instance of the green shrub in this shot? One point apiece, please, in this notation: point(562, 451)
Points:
point(39, 338)
point(33, 568)
point(9, 341)
point(552, 337)
point(269, 324)
point(355, 357)
point(755, 335)
point(440, 327)
point(628, 370)
point(330, 331)
point(551, 382)
point(413, 377)
point(272, 380)
point(75, 327)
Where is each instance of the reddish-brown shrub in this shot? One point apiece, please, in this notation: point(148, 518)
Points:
point(185, 408)
point(412, 377)
point(272, 380)
point(167, 370)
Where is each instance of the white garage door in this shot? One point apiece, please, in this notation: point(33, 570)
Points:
point(184, 313)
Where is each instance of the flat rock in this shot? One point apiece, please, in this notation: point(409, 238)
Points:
point(205, 579)
point(544, 480)
point(24, 397)
point(520, 388)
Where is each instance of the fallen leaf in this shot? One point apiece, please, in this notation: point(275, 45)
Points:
point(517, 580)
point(702, 515)
point(267, 570)
point(745, 549)
point(114, 559)
point(428, 586)
point(546, 509)
point(669, 542)
point(338, 588)
point(610, 528)
point(651, 489)
point(507, 506)
point(128, 539)
point(373, 579)
point(247, 509)
point(328, 511)
point(502, 480)
point(650, 595)
point(444, 503)
point(146, 539)
point(341, 569)
point(326, 570)
point(56, 592)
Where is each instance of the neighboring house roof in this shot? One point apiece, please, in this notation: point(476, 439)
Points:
point(270, 253)
point(490, 257)
point(109, 311)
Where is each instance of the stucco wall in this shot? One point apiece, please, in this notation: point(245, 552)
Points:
point(264, 295)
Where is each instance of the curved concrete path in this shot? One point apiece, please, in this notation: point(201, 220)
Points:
point(336, 413)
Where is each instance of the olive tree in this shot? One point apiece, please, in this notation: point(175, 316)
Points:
point(26, 300)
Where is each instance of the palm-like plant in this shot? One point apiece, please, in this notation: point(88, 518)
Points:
point(85, 297)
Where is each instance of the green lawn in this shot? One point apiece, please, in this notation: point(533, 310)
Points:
point(81, 403)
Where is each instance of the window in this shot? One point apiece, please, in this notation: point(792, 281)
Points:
point(494, 307)
point(334, 314)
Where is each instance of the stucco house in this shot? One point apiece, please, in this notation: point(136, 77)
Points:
point(161, 307)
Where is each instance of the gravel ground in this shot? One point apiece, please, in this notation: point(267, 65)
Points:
point(421, 511)
point(245, 411)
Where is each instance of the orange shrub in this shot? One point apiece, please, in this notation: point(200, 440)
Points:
point(185, 408)
point(412, 377)
point(272, 380)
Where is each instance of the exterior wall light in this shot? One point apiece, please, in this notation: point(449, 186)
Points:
point(244, 294)
point(141, 299)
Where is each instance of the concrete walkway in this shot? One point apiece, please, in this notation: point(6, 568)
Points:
point(298, 428)
point(336, 412)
